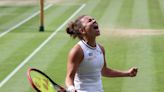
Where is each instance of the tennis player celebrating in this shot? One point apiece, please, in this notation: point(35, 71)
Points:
point(86, 60)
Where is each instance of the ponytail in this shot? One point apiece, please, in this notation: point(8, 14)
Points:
point(74, 27)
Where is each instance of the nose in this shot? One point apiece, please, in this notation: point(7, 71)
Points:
point(94, 21)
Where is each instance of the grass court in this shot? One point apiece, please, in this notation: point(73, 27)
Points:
point(132, 33)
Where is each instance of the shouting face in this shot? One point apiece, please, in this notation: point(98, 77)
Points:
point(90, 26)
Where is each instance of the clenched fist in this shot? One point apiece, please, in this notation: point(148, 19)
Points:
point(132, 72)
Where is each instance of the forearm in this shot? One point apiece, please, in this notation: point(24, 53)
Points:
point(69, 81)
point(114, 73)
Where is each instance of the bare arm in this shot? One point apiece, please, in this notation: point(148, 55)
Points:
point(108, 72)
point(74, 58)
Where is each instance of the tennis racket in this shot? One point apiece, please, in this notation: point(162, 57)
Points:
point(41, 82)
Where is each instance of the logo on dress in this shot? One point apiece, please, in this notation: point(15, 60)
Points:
point(90, 54)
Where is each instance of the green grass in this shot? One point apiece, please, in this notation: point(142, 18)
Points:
point(122, 50)
point(11, 15)
point(125, 15)
point(155, 13)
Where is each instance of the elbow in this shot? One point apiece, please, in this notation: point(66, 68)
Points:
point(103, 73)
point(106, 72)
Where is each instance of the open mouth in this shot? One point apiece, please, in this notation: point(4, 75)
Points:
point(96, 27)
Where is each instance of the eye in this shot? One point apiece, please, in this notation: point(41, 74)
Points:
point(89, 20)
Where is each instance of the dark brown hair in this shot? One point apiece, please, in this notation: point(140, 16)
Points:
point(74, 27)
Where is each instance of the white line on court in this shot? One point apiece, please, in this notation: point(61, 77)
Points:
point(24, 21)
point(37, 49)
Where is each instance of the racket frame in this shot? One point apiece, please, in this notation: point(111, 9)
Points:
point(55, 85)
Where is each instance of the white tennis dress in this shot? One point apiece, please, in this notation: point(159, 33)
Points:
point(88, 76)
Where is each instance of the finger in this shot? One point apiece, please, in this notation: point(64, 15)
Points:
point(135, 69)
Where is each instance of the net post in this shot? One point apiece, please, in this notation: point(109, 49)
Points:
point(41, 28)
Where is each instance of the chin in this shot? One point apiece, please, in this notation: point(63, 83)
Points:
point(98, 34)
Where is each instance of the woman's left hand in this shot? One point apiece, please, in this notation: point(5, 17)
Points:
point(132, 72)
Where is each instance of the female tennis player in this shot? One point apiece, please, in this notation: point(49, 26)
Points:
point(86, 60)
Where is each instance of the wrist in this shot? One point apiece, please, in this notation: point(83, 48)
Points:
point(127, 74)
point(71, 88)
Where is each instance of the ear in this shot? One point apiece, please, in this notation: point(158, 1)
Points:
point(82, 30)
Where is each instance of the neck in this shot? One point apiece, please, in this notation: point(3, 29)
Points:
point(90, 42)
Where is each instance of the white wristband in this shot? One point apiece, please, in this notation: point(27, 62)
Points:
point(71, 88)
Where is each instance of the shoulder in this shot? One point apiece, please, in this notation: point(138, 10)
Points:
point(76, 49)
point(76, 52)
point(102, 48)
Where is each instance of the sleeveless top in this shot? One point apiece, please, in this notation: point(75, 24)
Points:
point(88, 75)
